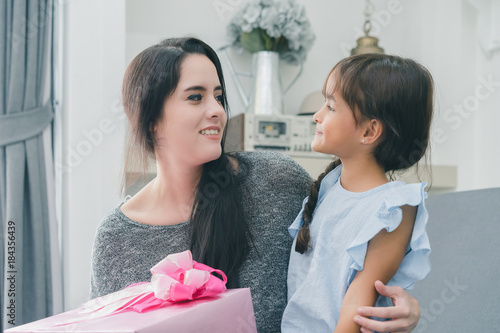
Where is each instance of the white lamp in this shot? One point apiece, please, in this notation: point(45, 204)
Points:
point(312, 102)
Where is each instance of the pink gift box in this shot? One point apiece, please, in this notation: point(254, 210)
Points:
point(231, 311)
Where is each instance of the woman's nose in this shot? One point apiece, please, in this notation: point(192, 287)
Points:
point(216, 109)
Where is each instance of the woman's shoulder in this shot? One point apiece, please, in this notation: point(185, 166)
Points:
point(271, 163)
point(271, 180)
point(272, 171)
point(264, 156)
point(113, 221)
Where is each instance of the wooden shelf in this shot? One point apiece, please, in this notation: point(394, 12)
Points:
point(444, 177)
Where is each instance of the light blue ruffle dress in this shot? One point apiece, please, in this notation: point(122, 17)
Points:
point(343, 223)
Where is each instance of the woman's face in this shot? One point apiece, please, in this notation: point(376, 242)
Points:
point(193, 118)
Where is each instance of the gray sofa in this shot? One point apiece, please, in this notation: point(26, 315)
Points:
point(462, 292)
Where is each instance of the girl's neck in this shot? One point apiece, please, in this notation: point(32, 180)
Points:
point(362, 174)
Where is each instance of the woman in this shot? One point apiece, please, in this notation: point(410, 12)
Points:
point(232, 211)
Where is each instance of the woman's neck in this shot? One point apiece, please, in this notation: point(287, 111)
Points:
point(168, 199)
point(362, 174)
point(175, 184)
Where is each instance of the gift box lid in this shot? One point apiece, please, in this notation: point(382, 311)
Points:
point(231, 311)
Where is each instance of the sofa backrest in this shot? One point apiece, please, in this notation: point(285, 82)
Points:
point(462, 291)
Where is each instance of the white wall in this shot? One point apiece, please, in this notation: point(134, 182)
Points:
point(94, 62)
point(466, 107)
point(103, 36)
point(487, 148)
point(443, 35)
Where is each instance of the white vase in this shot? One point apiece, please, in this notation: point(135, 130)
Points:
point(266, 94)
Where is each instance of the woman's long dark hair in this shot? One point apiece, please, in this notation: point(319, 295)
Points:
point(219, 233)
point(398, 92)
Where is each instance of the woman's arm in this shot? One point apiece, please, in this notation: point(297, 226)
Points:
point(404, 314)
point(384, 255)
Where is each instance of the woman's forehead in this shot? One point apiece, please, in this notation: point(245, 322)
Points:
point(198, 68)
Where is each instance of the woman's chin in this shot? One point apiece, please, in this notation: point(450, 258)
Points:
point(211, 155)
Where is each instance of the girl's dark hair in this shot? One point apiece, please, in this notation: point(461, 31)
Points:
point(219, 234)
point(398, 92)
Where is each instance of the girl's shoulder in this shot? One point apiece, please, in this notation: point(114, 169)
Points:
point(399, 193)
point(387, 200)
point(389, 215)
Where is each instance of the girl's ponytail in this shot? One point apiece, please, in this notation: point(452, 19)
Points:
point(303, 236)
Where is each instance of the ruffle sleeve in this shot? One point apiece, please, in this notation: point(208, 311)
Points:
point(416, 264)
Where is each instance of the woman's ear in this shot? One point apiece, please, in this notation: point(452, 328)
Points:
point(373, 131)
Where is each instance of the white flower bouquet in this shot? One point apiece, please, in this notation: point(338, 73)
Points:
point(272, 25)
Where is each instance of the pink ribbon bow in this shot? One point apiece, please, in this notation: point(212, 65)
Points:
point(176, 278)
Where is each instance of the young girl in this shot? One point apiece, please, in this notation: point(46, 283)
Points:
point(358, 227)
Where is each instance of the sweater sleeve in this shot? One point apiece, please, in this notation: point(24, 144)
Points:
point(124, 251)
point(101, 281)
point(273, 191)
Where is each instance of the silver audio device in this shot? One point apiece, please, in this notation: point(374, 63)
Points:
point(290, 134)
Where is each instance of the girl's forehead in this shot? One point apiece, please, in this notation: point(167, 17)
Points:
point(330, 85)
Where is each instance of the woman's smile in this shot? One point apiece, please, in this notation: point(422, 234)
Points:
point(211, 132)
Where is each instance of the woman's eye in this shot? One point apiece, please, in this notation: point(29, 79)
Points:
point(196, 97)
point(219, 98)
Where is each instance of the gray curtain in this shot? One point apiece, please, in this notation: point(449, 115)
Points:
point(25, 51)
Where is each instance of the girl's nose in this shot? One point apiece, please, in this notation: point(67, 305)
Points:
point(317, 117)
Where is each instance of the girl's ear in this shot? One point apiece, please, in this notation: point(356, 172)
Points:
point(373, 131)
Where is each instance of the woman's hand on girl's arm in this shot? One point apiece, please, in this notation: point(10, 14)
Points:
point(405, 313)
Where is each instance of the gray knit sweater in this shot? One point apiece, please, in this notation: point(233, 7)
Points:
point(274, 187)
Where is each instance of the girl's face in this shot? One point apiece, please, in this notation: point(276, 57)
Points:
point(193, 118)
point(336, 130)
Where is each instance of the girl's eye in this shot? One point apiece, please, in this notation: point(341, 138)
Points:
point(219, 98)
point(196, 97)
point(330, 108)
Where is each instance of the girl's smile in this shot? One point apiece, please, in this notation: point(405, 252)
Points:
point(319, 130)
